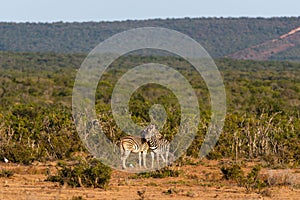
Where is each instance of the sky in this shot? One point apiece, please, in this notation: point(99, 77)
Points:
point(112, 10)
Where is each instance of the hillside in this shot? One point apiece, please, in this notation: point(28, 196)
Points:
point(278, 48)
point(219, 36)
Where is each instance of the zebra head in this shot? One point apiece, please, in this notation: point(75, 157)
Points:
point(151, 131)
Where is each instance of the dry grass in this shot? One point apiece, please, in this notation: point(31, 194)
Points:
point(196, 182)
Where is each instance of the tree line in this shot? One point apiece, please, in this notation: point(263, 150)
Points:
point(232, 34)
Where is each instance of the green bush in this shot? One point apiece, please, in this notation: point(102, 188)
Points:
point(233, 172)
point(162, 173)
point(88, 174)
point(6, 173)
point(17, 153)
point(251, 182)
point(30, 132)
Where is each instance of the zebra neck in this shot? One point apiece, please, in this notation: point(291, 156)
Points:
point(153, 147)
point(153, 144)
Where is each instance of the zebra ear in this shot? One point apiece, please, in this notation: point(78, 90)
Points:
point(143, 134)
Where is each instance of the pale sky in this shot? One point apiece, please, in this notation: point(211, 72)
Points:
point(111, 10)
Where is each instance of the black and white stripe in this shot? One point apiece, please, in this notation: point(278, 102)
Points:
point(157, 143)
point(133, 144)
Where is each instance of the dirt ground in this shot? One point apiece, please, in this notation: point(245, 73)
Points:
point(195, 182)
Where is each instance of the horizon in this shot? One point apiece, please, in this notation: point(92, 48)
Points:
point(34, 11)
point(150, 19)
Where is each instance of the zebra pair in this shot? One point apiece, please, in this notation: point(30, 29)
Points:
point(151, 140)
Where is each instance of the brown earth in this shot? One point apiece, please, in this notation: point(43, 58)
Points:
point(266, 50)
point(202, 181)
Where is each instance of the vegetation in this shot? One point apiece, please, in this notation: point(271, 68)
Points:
point(232, 34)
point(162, 173)
point(262, 122)
point(233, 172)
point(77, 198)
point(86, 173)
point(251, 181)
point(6, 173)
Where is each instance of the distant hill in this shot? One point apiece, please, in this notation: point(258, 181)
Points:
point(219, 36)
point(278, 48)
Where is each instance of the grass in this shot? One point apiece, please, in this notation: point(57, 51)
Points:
point(162, 173)
point(6, 173)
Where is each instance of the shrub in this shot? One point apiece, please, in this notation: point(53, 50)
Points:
point(18, 153)
point(87, 174)
point(171, 191)
point(162, 173)
point(250, 182)
point(233, 172)
point(6, 173)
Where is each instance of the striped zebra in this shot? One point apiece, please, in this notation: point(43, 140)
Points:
point(157, 143)
point(134, 144)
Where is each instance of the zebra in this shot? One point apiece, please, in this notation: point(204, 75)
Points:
point(127, 145)
point(157, 143)
point(134, 144)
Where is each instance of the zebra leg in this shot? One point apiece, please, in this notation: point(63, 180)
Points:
point(124, 157)
point(167, 153)
point(163, 158)
point(152, 158)
point(140, 159)
point(144, 158)
point(157, 159)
